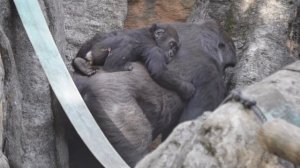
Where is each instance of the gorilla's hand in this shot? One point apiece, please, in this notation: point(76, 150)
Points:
point(187, 90)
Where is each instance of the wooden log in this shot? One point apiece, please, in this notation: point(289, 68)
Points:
point(282, 139)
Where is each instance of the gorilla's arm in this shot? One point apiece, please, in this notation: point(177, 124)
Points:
point(156, 63)
point(169, 80)
point(87, 46)
point(155, 60)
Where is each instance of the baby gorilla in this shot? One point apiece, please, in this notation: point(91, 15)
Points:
point(155, 46)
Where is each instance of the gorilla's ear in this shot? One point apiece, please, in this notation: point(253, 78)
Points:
point(157, 32)
point(153, 28)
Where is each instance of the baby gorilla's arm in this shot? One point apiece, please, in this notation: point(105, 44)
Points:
point(118, 60)
point(155, 60)
point(156, 63)
point(172, 81)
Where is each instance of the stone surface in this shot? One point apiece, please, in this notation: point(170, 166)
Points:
point(1, 98)
point(260, 31)
point(294, 67)
point(11, 107)
point(294, 31)
point(145, 12)
point(3, 159)
point(26, 99)
point(86, 17)
point(28, 134)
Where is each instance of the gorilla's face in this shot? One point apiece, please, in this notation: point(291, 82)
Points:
point(167, 39)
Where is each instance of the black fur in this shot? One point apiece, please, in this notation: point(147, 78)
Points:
point(198, 69)
point(130, 108)
point(155, 45)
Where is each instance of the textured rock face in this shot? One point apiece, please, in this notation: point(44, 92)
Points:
point(27, 102)
point(267, 42)
point(84, 18)
point(145, 12)
point(3, 159)
point(260, 30)
point(25, 94)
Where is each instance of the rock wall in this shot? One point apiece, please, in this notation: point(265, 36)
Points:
point(28, 123)
point(83, 19)
point(146, 12)
point(3, 159)
point(25, 93)
point(260, 31)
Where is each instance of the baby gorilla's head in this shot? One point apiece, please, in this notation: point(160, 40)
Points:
point(167, 39)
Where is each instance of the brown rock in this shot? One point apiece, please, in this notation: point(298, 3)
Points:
point(145, 12)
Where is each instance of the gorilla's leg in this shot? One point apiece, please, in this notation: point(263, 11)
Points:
point(125, 126)
point(79, 154)
point(60, 120)
point(121, 119)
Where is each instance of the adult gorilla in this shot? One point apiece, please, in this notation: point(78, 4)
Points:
point(205, 53)
point(132, 109)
